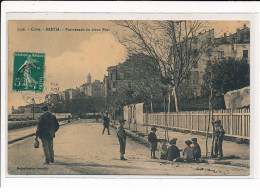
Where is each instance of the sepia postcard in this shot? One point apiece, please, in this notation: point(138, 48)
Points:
point(129, 97)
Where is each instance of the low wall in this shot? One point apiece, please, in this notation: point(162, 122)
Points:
point(22, 124)
point(36, 116)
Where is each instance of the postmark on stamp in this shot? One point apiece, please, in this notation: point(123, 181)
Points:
point(28, 71)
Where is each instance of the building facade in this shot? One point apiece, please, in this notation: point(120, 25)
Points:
point(95, 89)
point(236, 45)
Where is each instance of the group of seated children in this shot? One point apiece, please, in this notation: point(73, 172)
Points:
point(191, 153)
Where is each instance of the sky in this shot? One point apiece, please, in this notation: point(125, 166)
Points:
point(71, 55)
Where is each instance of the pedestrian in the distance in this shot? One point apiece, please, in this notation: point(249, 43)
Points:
point(218, 137)
point(173, 151)
point(188, 154)
point(106, 122)
point(196, 149)
point(46, 129)
point(122, 138)
point(152, 138)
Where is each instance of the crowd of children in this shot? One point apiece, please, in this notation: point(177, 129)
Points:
point(191, 153)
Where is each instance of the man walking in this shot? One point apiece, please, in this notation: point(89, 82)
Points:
point(47, 127)
point(106, 124)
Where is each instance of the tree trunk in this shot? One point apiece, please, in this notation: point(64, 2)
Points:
point(164, 110)
point(213, 128)
point(176, 98)
point(129, 125)
point(151, 103)
point(146, 122)
point(168, 116)
point(209, 124)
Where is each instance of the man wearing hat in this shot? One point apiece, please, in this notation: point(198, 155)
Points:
point(196, 149)
point(106, 123)
point(46, 129)
point(122, 138)
point(173, 151)
point(218, 138)
point(188, 154)
point(152, 138)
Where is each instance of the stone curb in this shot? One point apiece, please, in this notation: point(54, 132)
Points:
point(26, 136)
point(134, 136)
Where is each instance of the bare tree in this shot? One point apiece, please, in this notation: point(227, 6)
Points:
point(174, 46)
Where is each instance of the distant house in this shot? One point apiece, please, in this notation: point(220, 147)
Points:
point(236, 45)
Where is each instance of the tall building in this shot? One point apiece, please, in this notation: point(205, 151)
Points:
point(71, 93)
point(95, 89)
point(89, 79)
point(236, 45)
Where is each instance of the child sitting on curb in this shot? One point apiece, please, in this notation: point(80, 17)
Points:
point(196, 149)
point(173, 151)
point(188, 154)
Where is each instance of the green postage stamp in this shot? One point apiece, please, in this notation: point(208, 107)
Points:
point(28, 71)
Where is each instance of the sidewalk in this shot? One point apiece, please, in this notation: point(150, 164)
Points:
point(23, 133)
point(230, 149)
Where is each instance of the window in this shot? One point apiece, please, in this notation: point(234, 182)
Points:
point(195, 65)
point(245, 54)
point(195, 77)
point(195, 52)
point(209, 52)
point(221, 54)
point(114, 84)
point(195, 40)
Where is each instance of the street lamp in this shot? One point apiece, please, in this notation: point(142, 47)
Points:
point(33, 103)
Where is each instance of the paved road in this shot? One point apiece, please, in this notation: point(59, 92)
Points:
point(80, 149)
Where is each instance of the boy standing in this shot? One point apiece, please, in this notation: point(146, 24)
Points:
point(122, 138)
point(188, 152)
point(152, 138)
point(218, 136)
point(196, 149)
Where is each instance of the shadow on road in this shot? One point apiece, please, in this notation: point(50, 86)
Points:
point(75, 164)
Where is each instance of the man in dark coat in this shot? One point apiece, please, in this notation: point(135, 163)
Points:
point(218, 137)
point(122, 138)
point(106, 124)
point(152, 138)
point(196, 149)
point(46, 129)
point(173, 151)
